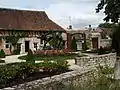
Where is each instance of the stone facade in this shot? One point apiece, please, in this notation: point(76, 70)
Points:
point(33, 39)
point(108, 59)
point(105, 42)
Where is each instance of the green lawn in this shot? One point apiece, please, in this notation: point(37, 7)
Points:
point(50, 57)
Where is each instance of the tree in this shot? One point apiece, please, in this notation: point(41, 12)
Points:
point(107, 25)
point(116, 39)
point(73, 44)
point(54, 39)
point(112, 10)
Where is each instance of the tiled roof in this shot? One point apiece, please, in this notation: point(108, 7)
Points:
point(108, 31)
point(26, 20)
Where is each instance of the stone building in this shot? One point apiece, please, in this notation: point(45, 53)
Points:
point(93, 37)
point(35, 24)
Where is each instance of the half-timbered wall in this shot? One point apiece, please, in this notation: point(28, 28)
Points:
point(33, 37)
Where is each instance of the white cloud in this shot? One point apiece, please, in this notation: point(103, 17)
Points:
point(82, 13)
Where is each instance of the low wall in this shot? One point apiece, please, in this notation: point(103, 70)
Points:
point(108, 59)
point(82, 77)
point(58, 82)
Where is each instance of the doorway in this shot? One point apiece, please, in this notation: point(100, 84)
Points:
point(26, 46)
point(95, 42)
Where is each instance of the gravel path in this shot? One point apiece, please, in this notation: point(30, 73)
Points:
point(13, 59)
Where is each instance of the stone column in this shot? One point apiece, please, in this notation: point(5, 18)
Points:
point(79, 45)
point(117, 69)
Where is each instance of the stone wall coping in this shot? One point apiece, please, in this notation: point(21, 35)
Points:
point(48, 80)
point(97, 56)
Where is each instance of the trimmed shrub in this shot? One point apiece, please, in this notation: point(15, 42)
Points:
point(2, 54)
point(74, 44)
point(30, 56)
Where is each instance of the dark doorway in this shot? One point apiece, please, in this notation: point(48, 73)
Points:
point(95, 42)
point(26, 46)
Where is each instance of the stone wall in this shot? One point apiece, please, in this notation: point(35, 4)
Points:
point(105, 42)
point(94, 61)
point(82, 77)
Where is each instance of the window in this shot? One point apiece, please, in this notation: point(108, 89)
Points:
point(7, 45)
point(6, 42)
point(19, 46)
point(35, 46)
point(41, 42)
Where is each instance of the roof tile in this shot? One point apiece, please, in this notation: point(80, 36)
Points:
point(26, 20)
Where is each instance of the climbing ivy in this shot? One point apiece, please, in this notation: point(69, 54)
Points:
point(13, 37)
point(54, 39)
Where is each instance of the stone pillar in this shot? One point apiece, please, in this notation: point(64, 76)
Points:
point(117, 69)
point(22, 41)
point(79, 45)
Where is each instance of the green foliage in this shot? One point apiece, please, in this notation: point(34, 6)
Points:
point(116, 39)
point(13, 37)
point(112, 12)
point(2, 54)
point(105, 69)
point(17, 70)
point(54, 39)
point(101, 51)
point(56, 67)
point(74, 44)
point(101, 82)
point(20, 71)
point(30, 56)
point(51, 58)
point(86, 45)
point(107, 25)
point(112, 9)
point(16, 52)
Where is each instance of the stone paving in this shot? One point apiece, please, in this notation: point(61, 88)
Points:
point(13, 58)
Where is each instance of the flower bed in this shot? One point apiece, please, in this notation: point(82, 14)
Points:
point(50, 52)
point(12, 74)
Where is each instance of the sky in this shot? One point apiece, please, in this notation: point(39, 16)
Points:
point(79, 13)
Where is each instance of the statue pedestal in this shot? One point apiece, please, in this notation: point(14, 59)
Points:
point(117, 69)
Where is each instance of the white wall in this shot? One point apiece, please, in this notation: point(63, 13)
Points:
point(31, 40)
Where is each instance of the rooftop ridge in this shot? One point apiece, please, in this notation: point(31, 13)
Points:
point(20, 9)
